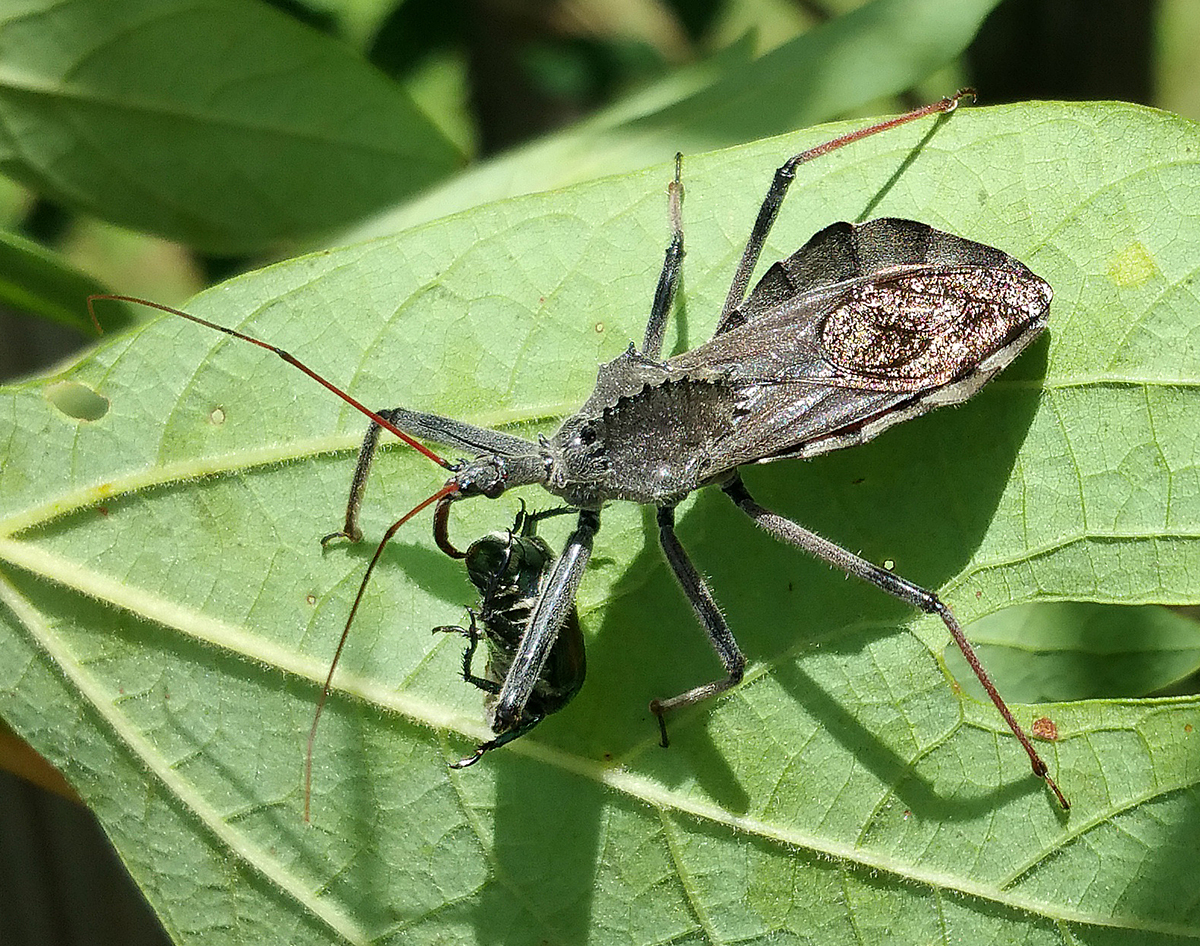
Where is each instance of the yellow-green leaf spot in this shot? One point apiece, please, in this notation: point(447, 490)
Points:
point(1132, 266)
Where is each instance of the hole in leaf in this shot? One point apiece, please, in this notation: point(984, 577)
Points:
point(77, 401)
point(1078, 650)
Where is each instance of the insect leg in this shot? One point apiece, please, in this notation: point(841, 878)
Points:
point(502, 740)
point(668, 279)
point(472, 635)
point(456, 433)
point(358, 483)
point(719, 635)
point(784, 176)
point(896, 586)
point(549, 612)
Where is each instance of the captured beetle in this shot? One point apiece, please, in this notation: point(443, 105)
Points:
point(509, 568)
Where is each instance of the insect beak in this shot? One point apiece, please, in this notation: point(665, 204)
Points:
point(441, 523)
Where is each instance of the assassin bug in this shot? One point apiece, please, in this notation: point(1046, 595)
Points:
point(863, 327)
point(510, 568)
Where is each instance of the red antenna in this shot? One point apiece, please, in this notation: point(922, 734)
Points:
point(449, 489)
point(290, 359)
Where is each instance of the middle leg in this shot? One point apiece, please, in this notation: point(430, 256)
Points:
point(711, 619)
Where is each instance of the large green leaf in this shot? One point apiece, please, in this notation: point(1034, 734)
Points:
point(219, 123)
point(168, 611)
point(1078, 650)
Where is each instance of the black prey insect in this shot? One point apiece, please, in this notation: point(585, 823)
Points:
point(510, 569)
point(863, 327)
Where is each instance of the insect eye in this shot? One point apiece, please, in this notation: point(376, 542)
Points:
point(587, 435)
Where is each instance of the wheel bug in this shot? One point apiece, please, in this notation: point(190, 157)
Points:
point(510, 568)
point(863, 327)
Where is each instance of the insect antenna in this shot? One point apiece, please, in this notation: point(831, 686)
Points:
point(289, 358)
point(448, 490)
point(443, 495)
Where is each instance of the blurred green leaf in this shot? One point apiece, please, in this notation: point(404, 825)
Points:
point(221, 123)
point(880, 49)
point(168, 613)
point(14, 202)
point(38, 281)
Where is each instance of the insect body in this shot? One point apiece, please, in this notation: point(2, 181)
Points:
point(861, 328)
point(509, 568)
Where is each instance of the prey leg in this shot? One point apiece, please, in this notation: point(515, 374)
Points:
point(906, 591)
point(489, 686)
point(472, 635)
point(502, 740)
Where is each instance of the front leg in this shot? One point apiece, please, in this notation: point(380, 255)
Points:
point(711, 619)
point(475, 440)
point(358, 483)
point(549, 612)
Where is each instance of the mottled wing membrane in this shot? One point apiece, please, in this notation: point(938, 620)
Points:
point(844, 252)
point(926, 328)
point(862, 328)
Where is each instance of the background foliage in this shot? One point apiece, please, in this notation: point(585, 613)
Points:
point(168, 613)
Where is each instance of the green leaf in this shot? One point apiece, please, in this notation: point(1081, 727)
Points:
point(40, 281)
point(880, 49)
point(219, 123)
point(1074, 650)
point(168, 613)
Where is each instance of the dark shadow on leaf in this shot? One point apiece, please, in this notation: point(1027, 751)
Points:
point(878, 197)
point(434, 572)
point(546, 830)
point(892, 768)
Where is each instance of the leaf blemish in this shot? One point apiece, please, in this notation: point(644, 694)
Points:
point(1044, 728)
point(1132, 266)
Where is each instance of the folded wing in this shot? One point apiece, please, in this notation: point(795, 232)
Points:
point(864, 327)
